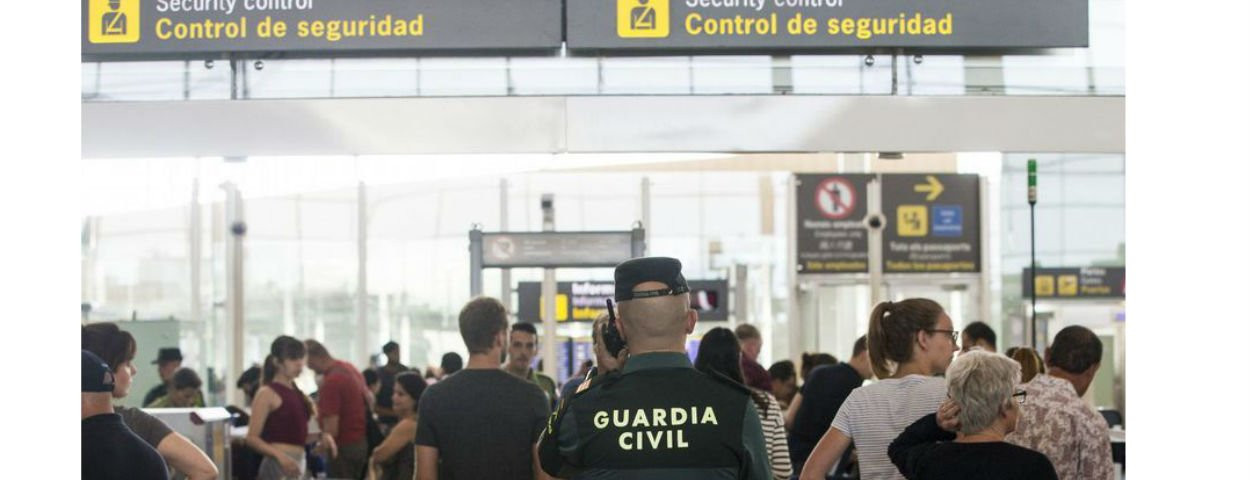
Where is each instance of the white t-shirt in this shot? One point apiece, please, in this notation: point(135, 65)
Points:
point(874, 415)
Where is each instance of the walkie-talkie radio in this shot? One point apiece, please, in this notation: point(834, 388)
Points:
point(612, 341)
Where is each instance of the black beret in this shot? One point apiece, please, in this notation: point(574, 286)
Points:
point(665, 270)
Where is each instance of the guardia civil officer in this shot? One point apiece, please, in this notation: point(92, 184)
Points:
point(657, 417)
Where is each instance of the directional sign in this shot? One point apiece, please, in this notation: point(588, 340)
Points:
point(556, 249)
point(934, 223)
point(830, 234)
point(1075, 283)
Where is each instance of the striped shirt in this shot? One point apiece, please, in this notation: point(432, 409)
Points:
point(874, 415)
point(775, 438)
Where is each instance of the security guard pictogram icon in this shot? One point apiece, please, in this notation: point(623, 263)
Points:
point(642, 18)
point(113, 21)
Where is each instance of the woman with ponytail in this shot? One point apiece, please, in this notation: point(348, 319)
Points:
point(280, 413)
point(909, 344)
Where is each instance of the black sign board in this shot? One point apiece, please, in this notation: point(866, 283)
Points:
point(934, 223)
point(1076, 283)
point(829, 230)
point(153, 29)
point(686, 26)
point(583, 301)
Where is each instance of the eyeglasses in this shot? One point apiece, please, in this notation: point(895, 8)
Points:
point(1020, 396)
point(953, 333)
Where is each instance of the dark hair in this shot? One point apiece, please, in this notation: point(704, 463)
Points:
point(1075, 349)
point(186, 378)
point(371, 376)
point(250, 375)
point(981, 331)
point(861, 344)
point(812, 360)
point(781, 371)
point(480, 321)
point(451, 363)
point(525, 327)
point(109, 342)
point(720, 353)
point(413, 385)
point(286, 347)
point(892, 331)
point(316, 349)
point(390, 346)
point(746, 331)
point(1011, 351)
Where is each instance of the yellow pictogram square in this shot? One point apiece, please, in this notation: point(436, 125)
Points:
point(913, 221)
point(562, 308)
point(642, 18)
point(1067, 285)
point(113, 21)
point(1044, 285)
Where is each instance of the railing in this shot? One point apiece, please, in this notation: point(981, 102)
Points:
point(1067, 72)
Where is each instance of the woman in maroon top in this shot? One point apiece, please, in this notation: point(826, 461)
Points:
point(280, 413)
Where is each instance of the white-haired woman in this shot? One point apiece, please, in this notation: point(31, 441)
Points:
point(964, 440)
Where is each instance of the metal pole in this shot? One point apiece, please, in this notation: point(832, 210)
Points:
point(646, 203)
point(505, 274)
point(793, 320)
point(362, 290)
point(894, 72)
point(1033, 252)
point(984, 297)
point(234, 289)
point(876, 254)
point(475, 261)
point(549, 294)
point(194, 238)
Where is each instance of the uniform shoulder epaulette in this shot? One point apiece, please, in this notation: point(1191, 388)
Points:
point(729, 382)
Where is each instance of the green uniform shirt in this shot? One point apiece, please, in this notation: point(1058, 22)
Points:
point(545, 383)
point(658, 418)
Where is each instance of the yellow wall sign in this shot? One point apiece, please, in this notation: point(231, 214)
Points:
point(642, 18)
point(113, 21)
point(1045, 285)
point(562, 308)
point(1067, 285)
point(913, 220)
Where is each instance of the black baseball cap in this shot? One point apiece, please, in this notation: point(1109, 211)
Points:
point(635, 271)
point(168, 355)
point(96, 377)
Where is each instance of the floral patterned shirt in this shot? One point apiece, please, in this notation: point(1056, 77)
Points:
point(1055, 421)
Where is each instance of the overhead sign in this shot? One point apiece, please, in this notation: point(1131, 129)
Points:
point(934, 223)
point(558, 249)
point(799, 25)
point(125, 29)
point(830, 232)
point(1075, 283)
point(583, 301)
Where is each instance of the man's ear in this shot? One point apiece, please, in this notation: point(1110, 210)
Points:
point(692, 317)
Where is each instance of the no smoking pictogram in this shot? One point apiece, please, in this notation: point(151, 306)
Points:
point(835, 197)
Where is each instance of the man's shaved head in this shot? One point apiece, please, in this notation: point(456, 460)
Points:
point(655, 320)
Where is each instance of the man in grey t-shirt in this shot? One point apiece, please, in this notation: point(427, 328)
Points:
point(481, 422)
